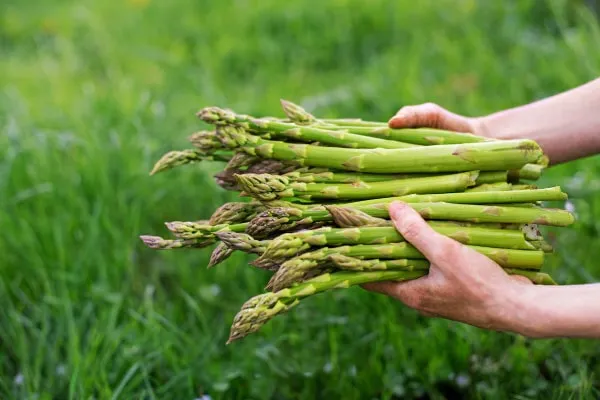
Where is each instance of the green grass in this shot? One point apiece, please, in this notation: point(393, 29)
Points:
point(93, 92)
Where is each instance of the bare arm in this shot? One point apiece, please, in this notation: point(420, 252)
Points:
point(567, 125)
point(466, 286)
point(558, 311)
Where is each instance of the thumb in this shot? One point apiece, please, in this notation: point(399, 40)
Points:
point(429, 115)
point(417, 231)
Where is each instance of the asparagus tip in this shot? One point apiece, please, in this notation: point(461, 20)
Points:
point(219, 254)
point(154, 242)
point(173, 225)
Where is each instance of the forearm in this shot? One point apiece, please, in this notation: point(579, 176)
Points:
point(567, 125)
point(554, 311)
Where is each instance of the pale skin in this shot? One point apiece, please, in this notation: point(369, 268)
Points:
point(465, 286)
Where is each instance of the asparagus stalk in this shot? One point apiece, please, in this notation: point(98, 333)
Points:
point(470, 213)
point(258, 310)
point(341, 138)
point(297, 269)
point(487, 187)
point(355, 264)
point(158, 243)
point(324, 175)
point(269, 187)
point(417, 136)
point(195, 230)
point(292, 244)
point(500, 186)
point(531, 172)
point(477, 213)
point(485, 197)
point(422, 136)
point(484, 156)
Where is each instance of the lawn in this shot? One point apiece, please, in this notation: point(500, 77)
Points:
point(94, 92)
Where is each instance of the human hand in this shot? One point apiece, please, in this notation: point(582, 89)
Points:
point(462, 284)
point(430, 115)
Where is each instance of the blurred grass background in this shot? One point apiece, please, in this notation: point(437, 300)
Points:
point(93, 92)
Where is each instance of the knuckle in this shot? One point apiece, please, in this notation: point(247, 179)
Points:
point(447, 251)
point(431, 106)
point(411, 230)
point(409, 111)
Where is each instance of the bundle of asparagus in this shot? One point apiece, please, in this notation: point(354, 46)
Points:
point(315, 196)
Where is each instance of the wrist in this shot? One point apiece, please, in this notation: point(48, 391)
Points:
point(518, 312)
point(488, 126)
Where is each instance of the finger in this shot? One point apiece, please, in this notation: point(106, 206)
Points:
point(521, 279)
point(429, 115)
point(424, 115)
point(416, 231)
point(385, 287)
point(409, 292)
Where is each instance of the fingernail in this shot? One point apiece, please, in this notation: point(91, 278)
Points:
point(395, 121)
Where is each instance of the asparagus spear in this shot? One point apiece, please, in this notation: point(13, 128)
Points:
point(531, 172)
point(243, 242)
point(485, 197)
point(236, 212)
point(195, 230)
point(176, 158)
point(219, 116)
point(484, 156)
point(158, 243)
point(470, 213)
point(206, 141)
point(292, 244)
point(269, 187)
point(296, 269)
point(258, 310)
point(422, 136)
point(324, 175)
point(356, 264)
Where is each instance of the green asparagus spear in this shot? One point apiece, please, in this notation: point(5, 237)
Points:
point(269, 187)
point(296, 269)
point(292, 244)
point(176, 158)
point(236, 212)
point(258, 310)
point(219, 116)
point(484, 156)
point(471, 213)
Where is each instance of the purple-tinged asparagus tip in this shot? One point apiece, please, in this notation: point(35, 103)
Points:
point(154, 242)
